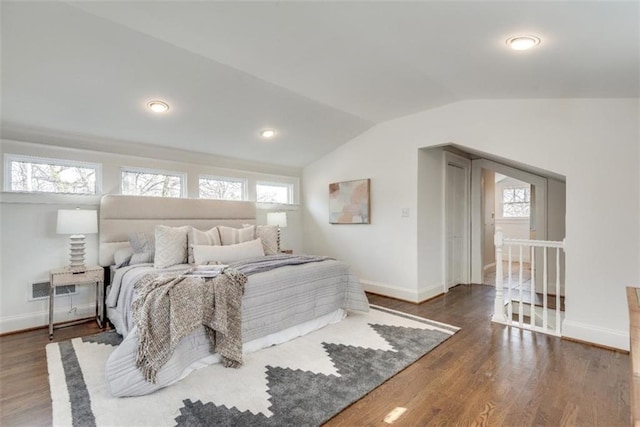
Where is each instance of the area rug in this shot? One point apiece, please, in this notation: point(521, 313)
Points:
point(303, 382)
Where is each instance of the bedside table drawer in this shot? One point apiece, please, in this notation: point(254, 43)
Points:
point(76, 279)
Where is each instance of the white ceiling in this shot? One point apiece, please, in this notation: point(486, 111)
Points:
point(318, 72)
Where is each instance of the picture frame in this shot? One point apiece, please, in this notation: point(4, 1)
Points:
point(350, 202)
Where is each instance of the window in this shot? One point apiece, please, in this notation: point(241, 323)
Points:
point(272, 192)
point(516, 202)
point(148, 182)
point(211, 187)
point(43, 175)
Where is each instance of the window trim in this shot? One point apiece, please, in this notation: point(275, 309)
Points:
point(8, 158)
point(288, 185)
point(181, 175)
point(243, 181)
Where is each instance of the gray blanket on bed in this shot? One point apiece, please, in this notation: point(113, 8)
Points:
point(269, 262)
point(171, 306)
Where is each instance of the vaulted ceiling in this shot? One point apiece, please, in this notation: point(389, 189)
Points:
point(319, 73)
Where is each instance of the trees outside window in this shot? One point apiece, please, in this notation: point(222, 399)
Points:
point(516, 202)
point(222, 188)
point(268, 192)
point(140, 182)
point(40, 175)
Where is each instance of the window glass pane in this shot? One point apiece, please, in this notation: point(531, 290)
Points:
point(51, 177)
point(142, 183)
point(273, 193)
point(507, 195)
point(224, 189)
point(516, 202)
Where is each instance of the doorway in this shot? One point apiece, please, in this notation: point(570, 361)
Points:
point(506, 206)
point(523, 188)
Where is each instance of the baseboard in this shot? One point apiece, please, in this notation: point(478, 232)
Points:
point(401, 293)
point(35, 320)
point(430, 293)
point(594, 334)
point(488, 266)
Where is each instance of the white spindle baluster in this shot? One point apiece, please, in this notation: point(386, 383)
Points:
point(520, 307)
point(558, 291)
point(498, 306)
point(544, 272)
point(532, 285)
point(510, 286)
point(545, 314)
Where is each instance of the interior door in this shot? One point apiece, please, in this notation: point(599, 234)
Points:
point(456, 208)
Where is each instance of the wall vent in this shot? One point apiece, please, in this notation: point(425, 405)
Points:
point(41, 290)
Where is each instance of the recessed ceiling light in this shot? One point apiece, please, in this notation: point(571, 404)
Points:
point(158, 106)
point(268, 133)
point(522, 42)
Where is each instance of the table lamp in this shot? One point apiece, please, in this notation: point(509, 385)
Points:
point(279, 219)
point(77, 223)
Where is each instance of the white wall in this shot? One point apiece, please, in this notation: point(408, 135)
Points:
point(593, 143)
point(30, 247)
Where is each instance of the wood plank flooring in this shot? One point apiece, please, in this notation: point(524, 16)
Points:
point(485, 375)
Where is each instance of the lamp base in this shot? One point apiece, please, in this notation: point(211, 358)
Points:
point(76, 252)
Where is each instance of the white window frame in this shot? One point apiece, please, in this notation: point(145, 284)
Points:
point(8, 158)
point(288, 185)
point(242, 181)
point(181, 175)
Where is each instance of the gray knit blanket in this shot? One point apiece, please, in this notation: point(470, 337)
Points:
point(170, 306)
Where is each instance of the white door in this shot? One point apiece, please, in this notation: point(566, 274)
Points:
point(456, 225)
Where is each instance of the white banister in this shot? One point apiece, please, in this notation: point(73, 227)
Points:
point(541, 319)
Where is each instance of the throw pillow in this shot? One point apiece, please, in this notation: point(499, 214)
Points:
point(122, 257)
point(171, 246)
point(227, 254)
point(142, 242)
point(198, 237)
point(270, 235)
point(233, 236)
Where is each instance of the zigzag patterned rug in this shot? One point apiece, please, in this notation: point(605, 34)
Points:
point(302, 382)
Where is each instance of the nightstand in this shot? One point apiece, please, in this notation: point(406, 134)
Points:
point(91, 274)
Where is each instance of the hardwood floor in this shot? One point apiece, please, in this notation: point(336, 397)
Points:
point(24, 384)
point(486, 374)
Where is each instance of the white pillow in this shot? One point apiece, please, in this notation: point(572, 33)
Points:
point(197, 237)
point(171, 246)
point(233, 236)
point(228, 254)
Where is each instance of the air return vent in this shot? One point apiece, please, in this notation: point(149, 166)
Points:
point(41, 290)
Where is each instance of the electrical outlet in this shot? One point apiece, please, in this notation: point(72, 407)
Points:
point(404, 213)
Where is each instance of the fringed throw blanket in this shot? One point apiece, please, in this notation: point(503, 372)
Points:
point(171, 306)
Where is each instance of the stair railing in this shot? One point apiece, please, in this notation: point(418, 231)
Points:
point(540, 319)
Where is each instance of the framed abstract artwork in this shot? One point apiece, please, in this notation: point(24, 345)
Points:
point(349, 202)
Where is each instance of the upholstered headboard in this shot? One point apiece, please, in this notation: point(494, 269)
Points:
point(121, 215)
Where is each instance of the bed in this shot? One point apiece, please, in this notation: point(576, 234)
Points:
point(278, 305)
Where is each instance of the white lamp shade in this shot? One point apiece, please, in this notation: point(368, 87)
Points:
point(277, 218)
point(77, 221)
